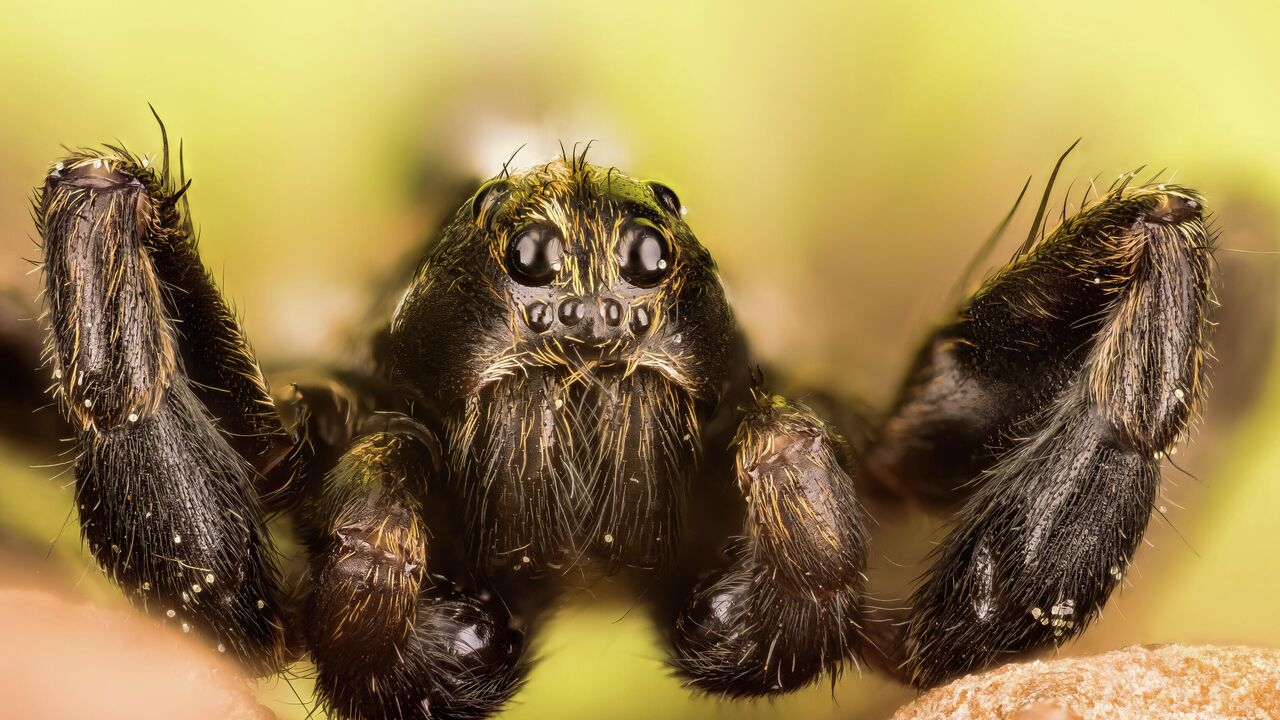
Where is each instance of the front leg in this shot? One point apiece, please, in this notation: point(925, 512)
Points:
point(787, 607)
point(1043, 412)
point(172, 416)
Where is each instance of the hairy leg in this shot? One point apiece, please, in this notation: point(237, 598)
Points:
point(1041, 413)
point(787, 606)
point(391, 634)
point(172, 417)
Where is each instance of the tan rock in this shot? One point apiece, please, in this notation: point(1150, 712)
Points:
point(1148, 682)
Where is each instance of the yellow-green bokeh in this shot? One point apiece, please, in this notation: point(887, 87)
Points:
point(841, 160)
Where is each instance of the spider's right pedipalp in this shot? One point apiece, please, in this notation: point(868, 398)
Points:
point(391, 637)
point(1040, 414)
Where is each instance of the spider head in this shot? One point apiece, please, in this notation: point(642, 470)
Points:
point(568, 267)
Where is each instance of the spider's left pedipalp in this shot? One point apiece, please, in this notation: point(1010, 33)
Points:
point(787, 607)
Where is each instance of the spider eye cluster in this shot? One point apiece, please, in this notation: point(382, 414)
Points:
point(535, 255)
point(644, 255)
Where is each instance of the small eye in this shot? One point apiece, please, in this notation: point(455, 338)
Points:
point(535, 254)
point(668, 198)
point(488, 196)
point(643, 254)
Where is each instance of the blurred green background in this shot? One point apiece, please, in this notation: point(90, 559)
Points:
point(843, 161)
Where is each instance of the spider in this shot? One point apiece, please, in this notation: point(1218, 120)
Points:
point(562, 395)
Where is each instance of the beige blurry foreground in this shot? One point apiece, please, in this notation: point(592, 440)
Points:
point(63, 660)
point(1151, 681)
point(68, 660)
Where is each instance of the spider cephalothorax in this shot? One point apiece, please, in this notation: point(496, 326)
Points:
point(561, 395)
point(568, 324)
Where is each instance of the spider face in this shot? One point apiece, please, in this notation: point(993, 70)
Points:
point(569, 267)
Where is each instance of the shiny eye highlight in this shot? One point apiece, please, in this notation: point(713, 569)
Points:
point(535, 255)
point(644, 256)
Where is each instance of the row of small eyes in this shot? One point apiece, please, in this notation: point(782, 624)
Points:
point(537, 251)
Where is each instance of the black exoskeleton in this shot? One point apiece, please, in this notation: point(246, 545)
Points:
point(561, 396)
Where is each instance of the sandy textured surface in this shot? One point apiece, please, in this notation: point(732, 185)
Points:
point(1159, 681)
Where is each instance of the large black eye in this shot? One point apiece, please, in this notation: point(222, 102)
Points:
point(643, 254)
point(534, 258)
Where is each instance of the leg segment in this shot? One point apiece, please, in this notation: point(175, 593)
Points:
point(165, 492)
point(390, 640)
point(787, 606)
point(1049, 403)
point(130, 305)
point(167, 510)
